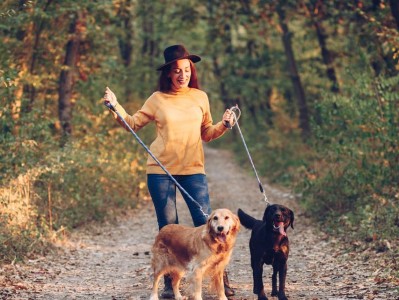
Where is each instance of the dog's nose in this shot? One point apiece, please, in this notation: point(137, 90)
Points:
point(220, 228)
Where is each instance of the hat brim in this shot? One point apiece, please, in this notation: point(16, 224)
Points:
point(192, 57)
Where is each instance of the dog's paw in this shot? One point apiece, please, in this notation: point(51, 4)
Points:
point(154, 297)
point(262, 296)
point(282, 296)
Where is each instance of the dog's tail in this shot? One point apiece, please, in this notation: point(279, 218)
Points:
point(246, 220)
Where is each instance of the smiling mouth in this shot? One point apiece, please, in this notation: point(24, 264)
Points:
point(222, 237)
point(279, 226)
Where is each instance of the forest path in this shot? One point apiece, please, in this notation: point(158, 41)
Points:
point(113, 261)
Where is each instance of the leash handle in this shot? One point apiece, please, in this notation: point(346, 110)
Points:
point(233, 109)
point(109, 105)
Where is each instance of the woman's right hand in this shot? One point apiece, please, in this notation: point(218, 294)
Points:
point(110, 97)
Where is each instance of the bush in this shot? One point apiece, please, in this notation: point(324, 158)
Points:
point(357, 171)
point(46, 189)
point(348, 173)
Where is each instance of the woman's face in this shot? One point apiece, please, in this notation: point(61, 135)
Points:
point(180, 74)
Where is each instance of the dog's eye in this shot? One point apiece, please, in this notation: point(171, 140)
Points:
point(215, 218)
point(226, 217)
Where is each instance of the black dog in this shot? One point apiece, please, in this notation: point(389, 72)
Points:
point(269, 245)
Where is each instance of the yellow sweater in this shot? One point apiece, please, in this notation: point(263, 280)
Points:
point(183, 120)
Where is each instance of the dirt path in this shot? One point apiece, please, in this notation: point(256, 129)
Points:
point(113, 262)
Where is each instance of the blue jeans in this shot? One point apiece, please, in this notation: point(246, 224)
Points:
point(163, 193)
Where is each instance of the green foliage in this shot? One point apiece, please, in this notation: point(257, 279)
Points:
point(357, 143)
point(90, 181)
point(87, 180)
point(17, 243)
point(346, 171)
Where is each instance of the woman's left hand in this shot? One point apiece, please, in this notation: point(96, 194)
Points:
point(228, 118)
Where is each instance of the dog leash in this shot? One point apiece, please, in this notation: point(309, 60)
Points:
point(233, 110)
point(111, 107)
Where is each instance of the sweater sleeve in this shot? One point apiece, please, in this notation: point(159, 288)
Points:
point(210, 131)
point(138, 120)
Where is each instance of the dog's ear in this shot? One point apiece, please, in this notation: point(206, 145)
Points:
point(237, 223)
point(208, 222)
point(268, 208)
point(292, 219)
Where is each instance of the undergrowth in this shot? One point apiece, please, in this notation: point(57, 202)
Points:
point(347, 174)
point(46, 190)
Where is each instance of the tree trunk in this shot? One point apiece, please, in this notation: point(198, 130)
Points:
point(260, 106)
point(222, 32)
point(149, 45)
point(395, 11)
point(126, 40)
point(327, 57)
point(30, 38)
point(29, 89)
point(67, 78)
point(296, 80)
point(316, 12)
point(24, 35)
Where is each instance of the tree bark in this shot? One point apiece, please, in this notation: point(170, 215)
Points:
point(125, 39)
point(394, 4)
point(149, 45)
point(24, 36)
point(304, 123)
point(326, 55)
point(67, 77)
point(221, 31)
point(29, 89)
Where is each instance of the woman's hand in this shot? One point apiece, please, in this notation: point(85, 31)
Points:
point(110, 97)
point(228, 118)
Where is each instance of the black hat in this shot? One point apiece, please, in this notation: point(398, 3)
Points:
point(176, 52)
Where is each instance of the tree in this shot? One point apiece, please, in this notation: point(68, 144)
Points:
point(125, 38)
point(316, 10)
point(394, 4)
point(222, 52)
point(304, 123)
point(29, 89)
point(67, 77)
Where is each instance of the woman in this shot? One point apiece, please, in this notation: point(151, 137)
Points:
point(183, 120)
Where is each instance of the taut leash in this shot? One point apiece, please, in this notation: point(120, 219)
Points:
point(233, 110)
point(111, 107)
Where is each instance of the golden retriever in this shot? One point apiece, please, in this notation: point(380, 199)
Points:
point(199, 251)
